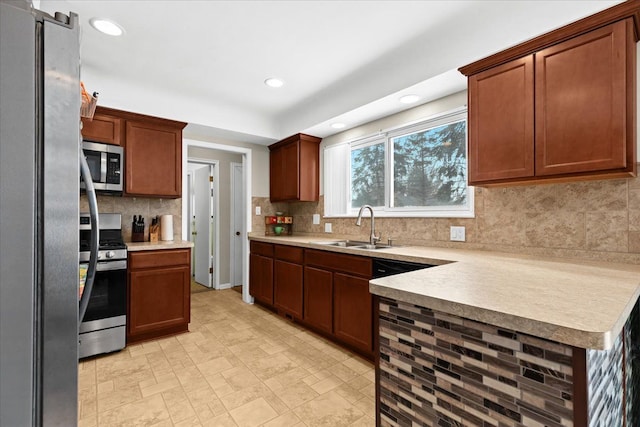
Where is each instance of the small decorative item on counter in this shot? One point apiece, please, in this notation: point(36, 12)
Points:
point(278, 225)
point(137, 229)
point(154, 230)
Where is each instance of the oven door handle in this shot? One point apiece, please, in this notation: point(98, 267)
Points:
point(95, 234)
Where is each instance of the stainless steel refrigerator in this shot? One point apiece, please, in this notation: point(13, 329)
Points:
point(39, 209)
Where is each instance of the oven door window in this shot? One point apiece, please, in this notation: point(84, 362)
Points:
point(108, 296)
point(94, 160)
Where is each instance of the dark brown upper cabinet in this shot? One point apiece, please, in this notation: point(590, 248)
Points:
point(152, 150)
point(103, 128)
point(294, 169)
point(560, 107)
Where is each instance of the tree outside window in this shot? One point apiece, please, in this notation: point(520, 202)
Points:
point(367, 175)
point(417, 170)
point(430, 167)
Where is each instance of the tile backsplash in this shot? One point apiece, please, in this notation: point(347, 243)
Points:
point(147, 207)
point(597, 220)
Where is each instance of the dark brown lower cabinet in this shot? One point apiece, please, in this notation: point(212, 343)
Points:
point(318, 298)
point(261, 278)
point(326, 291)
point(159, 293)
point(287, 280)
point(287, 288)
point(352, 311)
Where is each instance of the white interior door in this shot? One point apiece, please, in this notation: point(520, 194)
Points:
point(237, 224)
point(190, 223)
point(203, 225)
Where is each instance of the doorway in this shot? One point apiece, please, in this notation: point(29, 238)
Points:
point(243, 157)
point(237, 224)
point(203, 225)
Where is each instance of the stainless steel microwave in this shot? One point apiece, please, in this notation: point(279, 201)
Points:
point(106, 163)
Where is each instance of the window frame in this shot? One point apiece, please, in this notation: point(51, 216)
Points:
point(387, 138)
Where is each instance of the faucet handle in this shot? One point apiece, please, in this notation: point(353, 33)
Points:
point(375, 238)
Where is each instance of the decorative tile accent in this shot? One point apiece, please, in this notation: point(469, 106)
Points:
point(441, 370)
point(605, 378)
point(632, 367)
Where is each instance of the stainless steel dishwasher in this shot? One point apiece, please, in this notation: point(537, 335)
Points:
point(389, 267)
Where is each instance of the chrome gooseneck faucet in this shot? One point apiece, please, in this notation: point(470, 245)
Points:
point(372, 238)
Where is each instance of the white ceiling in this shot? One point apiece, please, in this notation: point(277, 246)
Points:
point(204, 62)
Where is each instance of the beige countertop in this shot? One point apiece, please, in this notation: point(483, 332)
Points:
point(159, 245)
point(580, 303)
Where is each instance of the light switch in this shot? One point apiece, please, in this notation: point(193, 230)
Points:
point(258, 210)
point(457, 234)
point(327, 227)
point(316, 219)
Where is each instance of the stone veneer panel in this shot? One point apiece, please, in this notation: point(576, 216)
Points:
point(146, 206)
point(440, 370)
point(597, 220)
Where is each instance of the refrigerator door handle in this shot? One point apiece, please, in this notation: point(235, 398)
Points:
point(95, 234)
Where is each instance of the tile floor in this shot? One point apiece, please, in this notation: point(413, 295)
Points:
point(240, 365)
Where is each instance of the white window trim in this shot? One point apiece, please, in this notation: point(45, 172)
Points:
point(385, 136)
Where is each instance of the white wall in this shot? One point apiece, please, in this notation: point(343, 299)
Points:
point(259, 161)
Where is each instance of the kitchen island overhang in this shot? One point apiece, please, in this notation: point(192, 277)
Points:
point(509, 341)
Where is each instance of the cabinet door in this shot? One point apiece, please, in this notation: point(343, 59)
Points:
point(261, 278)
point(581, 106)
point(352, 311)
point(501, 139)
point(287, 287)
point(103, 128)
point(153, 160)
point(284, 172)
point(159, 298)
point(318, 298)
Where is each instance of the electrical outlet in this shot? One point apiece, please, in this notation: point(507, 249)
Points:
point(258, 210)
point(457, 234)
point(316, 219)
point(327, 227)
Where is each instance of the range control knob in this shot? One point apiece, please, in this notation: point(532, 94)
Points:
point(110, 254)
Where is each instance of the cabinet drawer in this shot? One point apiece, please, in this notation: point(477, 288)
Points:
point(289, 253)
point(356, 265)
point(260, 248)
point(159, 258)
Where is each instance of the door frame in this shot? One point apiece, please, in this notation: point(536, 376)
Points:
point(246, 186)
point(232, 244)
point(215, 211)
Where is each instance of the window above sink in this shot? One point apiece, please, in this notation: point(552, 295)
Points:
point(417, 169)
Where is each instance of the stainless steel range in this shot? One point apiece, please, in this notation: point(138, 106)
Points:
point(103, 328)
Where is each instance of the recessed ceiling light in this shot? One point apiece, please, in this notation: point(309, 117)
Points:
point(274, 82)
point(106, 26)
point(409, 99)
point(338, 125)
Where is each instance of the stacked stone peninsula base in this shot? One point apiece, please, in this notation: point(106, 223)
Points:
point(436, 369)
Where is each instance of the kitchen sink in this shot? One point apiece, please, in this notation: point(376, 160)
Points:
point(352, 244)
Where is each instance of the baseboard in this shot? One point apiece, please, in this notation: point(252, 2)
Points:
point(224, 286)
